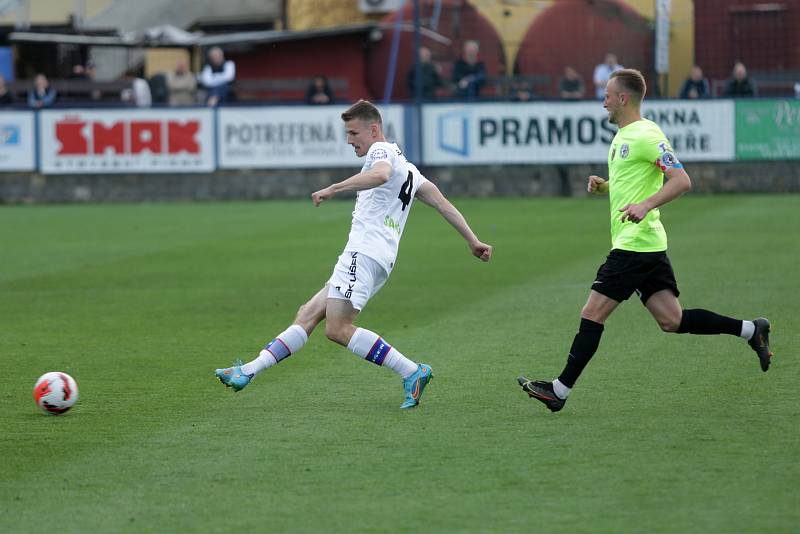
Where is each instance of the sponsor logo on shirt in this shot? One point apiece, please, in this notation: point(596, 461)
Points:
point(379, 154)
point(392, 224)
point(668, 161)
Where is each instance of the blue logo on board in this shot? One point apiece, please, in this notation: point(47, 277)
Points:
point(9, 134)
point(453, 132)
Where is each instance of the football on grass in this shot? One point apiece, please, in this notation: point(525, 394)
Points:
point(55, 393)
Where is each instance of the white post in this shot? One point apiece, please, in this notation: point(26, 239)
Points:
point(663, 12)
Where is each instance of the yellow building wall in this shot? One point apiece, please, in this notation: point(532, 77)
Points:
point(311, 14)
point(511, 20)
point(158, 60)
point(56, 11)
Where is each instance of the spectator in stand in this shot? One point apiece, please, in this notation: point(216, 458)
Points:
point(571, 86)
point(520, 90)
point(42, 95)
point(139, 93)
point(6, 96)
point(78, 73)
point(319, 92)
point(469, 74)
point(70, 92)
point(81, 73)
point(182, 85)
point(602, 73)
point(431, 78)
point(696, 86)
point(739, 85)
point(217, 77)
point(91, 75)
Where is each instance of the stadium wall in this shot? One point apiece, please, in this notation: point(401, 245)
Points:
point(486, 149)
point(466, 181)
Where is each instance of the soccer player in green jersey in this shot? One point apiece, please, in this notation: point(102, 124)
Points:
point(639, 159)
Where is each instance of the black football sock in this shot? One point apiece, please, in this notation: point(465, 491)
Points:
point(583, 348)
point(706, 323)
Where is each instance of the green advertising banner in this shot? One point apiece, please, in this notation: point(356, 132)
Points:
point(767, 129)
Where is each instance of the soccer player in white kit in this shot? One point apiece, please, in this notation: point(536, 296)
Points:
point(386, 188)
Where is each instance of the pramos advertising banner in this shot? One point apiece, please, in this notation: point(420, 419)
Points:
point(17, 141)
point(292, 136)
point(568, 132)
point(126, 140)
point(767, 129)
point(457, 134)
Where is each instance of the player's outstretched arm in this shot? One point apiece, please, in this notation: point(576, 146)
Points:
point(678, 182)
point(430, 195)
point(597, 185)
point(379, 174)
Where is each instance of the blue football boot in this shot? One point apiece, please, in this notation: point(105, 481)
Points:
point(233, 377)
point(415, 384)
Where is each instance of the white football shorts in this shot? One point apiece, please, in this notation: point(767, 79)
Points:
point(356, 278)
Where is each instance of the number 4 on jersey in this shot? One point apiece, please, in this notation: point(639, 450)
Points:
point(405, 191)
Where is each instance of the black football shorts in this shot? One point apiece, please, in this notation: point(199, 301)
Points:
point(643, 272)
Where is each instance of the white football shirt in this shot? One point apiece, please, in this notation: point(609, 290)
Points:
point(381, 212)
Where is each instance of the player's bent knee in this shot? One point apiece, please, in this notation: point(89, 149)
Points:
point(669, 325)
point(592, 315)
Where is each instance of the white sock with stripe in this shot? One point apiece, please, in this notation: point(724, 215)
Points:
point(373, 348)
point(748, 329)
point(284, 345)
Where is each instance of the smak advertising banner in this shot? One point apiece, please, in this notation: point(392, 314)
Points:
point(17, 141)
point(568, 132)
point(293, 136)
point(124, 141)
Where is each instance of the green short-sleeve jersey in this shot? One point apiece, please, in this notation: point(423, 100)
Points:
point(636, 165)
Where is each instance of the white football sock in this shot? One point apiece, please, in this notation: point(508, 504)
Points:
point(373, 348)
point(284, 345)
point(561, 391)
point(748, 329)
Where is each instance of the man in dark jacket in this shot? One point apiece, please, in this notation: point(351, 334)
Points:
point(469, 74)
point(739, 85)
point(696, 86)
point(431, 80)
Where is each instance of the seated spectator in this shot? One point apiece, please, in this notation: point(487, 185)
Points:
point(571, 86)
point(431, 79)
point(159, 91)
point(739, 84)
point(78, 73)
point(603, 72)
point(695, 86)
point(520, 90)
point(6, 96)
point(217, 77)
point(42, 95)
point(91, 75)
point(181, 85)
point(469, 74)
point(139, 94)
point(319, 91)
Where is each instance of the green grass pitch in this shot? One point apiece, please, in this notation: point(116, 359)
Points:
point(140, 303)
